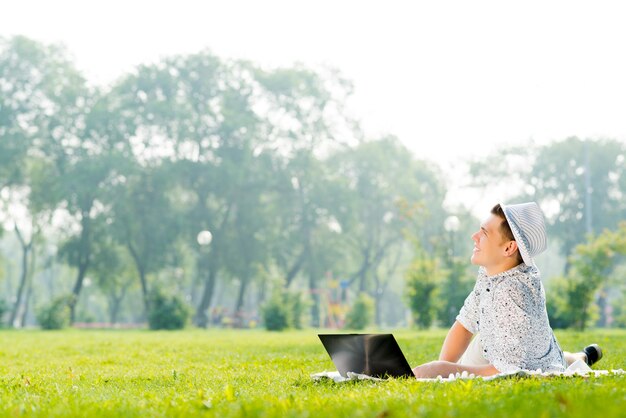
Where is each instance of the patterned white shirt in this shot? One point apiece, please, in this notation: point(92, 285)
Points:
point(509, 311)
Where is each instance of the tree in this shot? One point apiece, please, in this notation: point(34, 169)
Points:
point(37, 80)
point(306, 122)
point(383, 176)
point(25, 71)
point(592, 264)
point(81, 186)
point(69, 134)
point(197, 107)
point(26, 245)
point(361, 313)
point(111, 267)
point(581, 178)
point(145, 221)
point(309, 241)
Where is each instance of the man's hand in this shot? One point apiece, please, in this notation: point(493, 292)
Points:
point(432, 369)
point(445, 368)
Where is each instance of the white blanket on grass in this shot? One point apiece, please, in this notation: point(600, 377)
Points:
point(578, 368)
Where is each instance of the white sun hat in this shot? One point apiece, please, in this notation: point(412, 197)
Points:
point(529, 229)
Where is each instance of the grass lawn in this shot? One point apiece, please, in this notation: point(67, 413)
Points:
point(255, 373)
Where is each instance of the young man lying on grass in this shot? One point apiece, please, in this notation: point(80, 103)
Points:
point(506, 310)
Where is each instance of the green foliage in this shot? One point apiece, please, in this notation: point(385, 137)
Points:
point(556, 303)
point(619, 311)
point(166, 312)
point(38, 78)
point(275, 314)
point(285, 309)
point(456, 284)
point(196, 142)
point(297, 306)
point(56, 314)
point(361, 314)
point(566, 298)
point(380, 179)
point(422, 280)
point(231, 373)
point(592, 264)
point(559, 174)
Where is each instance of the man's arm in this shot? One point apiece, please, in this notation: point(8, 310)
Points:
point(445, 368)
point(456, 343)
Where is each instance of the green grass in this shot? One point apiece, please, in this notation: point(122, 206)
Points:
point(255, 373)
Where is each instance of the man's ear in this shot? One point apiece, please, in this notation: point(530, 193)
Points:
point(510, 248)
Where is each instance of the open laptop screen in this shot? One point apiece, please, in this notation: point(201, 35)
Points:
point(372, 354)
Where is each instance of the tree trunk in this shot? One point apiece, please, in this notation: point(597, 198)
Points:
point(114, 308)
point(261, 293)
point(293, 271)
point(23, 276)
point(602, 304)
point(83, 263)
point(365, 265)
point(582, 317)
point(381, 286)
point(378, 295)
point(363, 281)
point(241, 298)
point(201, 319)
point(315, 296)
point(141, 271)
point(115, 302)
point(144, 289)
point(29, 290)
point(78, 286)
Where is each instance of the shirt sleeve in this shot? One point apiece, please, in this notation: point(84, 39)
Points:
point(513, 331)
point(468, 315)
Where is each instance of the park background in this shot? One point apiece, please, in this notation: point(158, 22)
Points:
point(145, 179)
point(226, 167)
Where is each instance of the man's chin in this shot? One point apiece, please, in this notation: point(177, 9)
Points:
point(474, 260)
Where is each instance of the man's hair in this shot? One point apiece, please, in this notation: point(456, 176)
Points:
point(505, 228)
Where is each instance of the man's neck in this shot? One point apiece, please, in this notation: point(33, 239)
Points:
point(500, 268)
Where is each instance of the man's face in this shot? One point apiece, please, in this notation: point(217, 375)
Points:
point(490, 245)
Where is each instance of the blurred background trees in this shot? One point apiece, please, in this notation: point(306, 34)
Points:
point(214, 191)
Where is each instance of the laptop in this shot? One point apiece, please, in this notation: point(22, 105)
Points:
point(376, 355)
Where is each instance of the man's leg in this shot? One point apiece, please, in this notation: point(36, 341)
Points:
point(570, 358)
point(590, 355)
point(473, 356)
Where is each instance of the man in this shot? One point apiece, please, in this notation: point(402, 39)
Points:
point(507, 308)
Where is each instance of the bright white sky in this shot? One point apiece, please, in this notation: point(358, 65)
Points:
point(449, 78)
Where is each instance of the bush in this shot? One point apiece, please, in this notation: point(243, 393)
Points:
point(361, 314)
point(285, 309)
point(422, 280)
point(56, 314)
point(166, 312)
point(456, 284)
point(296, 308)
point(619, 312)
point(276, 314)
point(568, 302)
